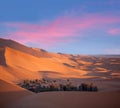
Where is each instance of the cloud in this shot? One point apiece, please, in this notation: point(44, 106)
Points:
point(114, 31)
point(62, 29)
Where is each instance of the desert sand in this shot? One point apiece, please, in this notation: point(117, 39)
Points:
point(19, 62)
point(12, 96)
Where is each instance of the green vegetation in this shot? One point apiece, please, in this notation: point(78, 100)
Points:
point(45, 85)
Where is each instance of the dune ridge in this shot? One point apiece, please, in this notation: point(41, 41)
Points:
point(17, 46)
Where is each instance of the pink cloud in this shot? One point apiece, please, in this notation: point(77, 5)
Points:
point(115, 31)
point(60, 29)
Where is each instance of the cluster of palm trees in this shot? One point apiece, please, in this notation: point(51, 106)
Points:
point(45, 85)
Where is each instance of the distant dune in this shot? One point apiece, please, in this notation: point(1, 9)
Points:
point(19, 62)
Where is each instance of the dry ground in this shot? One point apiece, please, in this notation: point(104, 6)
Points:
point(12, 96)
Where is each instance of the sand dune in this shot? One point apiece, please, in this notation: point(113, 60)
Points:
point(10, 93)
point(20, 65)
point(35, 65)
point(12, 96)
point(70, 100)
point(22, 62)
point(17, 46)
point(19, 62)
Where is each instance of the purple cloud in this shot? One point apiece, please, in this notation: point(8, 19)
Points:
point(60, 29)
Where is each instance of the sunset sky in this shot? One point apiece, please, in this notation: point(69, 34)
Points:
point(67, 26)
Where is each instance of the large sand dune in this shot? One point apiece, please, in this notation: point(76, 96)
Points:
point(19, 62)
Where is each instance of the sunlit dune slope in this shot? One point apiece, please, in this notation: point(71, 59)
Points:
point(10, 87)
point(19, 62)
point(17, 65)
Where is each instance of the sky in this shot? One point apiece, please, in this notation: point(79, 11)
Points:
point(66, 26)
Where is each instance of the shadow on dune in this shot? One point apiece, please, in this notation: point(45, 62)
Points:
point(50, 74)
point(60, 100)
point(8, 98)
point(2, 57)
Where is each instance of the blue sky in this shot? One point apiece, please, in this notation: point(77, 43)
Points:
point(67, 26)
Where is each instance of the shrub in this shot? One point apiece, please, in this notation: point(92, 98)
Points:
point(87, 87)
point(46, 85)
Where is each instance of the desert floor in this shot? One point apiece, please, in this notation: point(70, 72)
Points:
point(17, 97)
